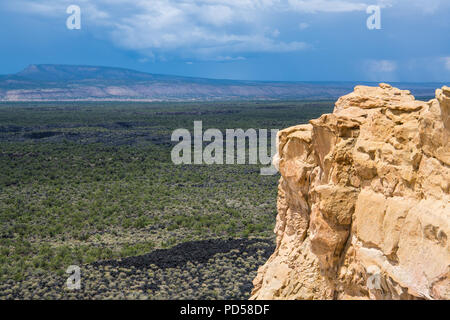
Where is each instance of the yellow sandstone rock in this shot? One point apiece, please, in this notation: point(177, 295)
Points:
point(363, 202)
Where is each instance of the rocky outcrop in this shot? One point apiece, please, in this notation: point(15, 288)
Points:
point(363, 201)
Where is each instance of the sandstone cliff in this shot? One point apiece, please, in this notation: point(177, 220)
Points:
point(363, 202)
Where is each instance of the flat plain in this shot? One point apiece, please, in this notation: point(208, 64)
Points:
point(93, 185)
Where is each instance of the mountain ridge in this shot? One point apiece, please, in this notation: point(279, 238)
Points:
point(57, 82)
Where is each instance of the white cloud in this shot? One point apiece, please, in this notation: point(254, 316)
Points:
point(314, 6)
point(195, 29)
point(382, 65)
point(380, 70)
point(228, 58)
point(203, 29)
point(303, 25)
point(446, 62)
point(217, 15)
point(429, 6)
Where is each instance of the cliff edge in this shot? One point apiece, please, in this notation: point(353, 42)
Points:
point(363, 201)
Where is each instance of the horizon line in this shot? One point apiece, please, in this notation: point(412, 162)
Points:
point(227, 79)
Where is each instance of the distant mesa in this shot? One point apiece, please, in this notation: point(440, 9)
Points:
point(49, 72)
point(54, 82)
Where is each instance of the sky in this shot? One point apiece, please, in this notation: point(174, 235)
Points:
point(270, 40)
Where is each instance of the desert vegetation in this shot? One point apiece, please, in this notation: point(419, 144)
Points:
point(92, 184)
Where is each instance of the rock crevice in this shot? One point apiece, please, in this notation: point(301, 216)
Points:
point(363, 201)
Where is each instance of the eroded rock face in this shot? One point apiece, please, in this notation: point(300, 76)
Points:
point(363, 201)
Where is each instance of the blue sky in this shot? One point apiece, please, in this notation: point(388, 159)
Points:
point(283, 40)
